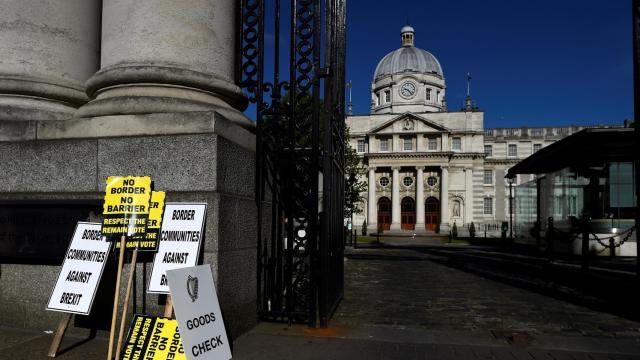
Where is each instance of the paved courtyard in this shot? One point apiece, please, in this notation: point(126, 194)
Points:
point(401, 304)
point(403, 288)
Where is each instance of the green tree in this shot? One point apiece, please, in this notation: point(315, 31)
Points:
point(354, 173)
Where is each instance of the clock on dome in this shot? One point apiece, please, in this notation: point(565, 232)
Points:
point(408, 90)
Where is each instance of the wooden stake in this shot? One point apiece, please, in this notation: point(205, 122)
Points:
point(168, 307)
point(114, 316)
point(57, 338)
point(132, 271)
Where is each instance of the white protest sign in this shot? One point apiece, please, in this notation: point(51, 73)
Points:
point(81, 270)
point(182, 231)
point(198, 313)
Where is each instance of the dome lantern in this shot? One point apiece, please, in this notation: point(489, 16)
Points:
point(406, 35)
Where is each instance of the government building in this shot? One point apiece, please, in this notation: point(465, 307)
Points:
point(430, 167)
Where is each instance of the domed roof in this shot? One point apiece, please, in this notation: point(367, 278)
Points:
point(408, 58)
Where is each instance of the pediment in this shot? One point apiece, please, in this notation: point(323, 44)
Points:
point(408, 122)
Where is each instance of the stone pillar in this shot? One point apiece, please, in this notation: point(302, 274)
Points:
point(468, 197)
point(166, 56)
point(444, 198)
point(49, 49)
point(372, 221)
point(395, 199)
point(420, 199)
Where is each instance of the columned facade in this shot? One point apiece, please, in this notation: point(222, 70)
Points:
point(443, 160)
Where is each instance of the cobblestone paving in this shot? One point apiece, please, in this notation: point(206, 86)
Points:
point(402, 288)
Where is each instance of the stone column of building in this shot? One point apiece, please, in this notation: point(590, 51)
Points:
point(49, 49)
point(372, 221)
point(395, 199)
point(468, 195)
point(444, 197)
point(420, 199)
point(166, 56)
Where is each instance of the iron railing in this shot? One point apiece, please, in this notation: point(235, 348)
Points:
point(299, 152)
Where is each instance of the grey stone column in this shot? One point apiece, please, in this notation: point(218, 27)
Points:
point(444, 198)
point(372, 221)
point(395, 199)
point(420, 199)
point(48, 48)
point(166, 56)
point(468, 197)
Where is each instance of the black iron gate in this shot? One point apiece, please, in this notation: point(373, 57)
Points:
point(300, 152)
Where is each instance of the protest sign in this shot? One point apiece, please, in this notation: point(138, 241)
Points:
point(126, 205)
point(81, 270)
point(198, 313)
point(180, 237)
point(152, 338)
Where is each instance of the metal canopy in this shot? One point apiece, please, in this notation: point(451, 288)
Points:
point(584, 148)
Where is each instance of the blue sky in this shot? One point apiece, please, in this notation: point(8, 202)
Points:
point(534, 63)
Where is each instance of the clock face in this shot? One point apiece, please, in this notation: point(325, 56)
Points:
point(408, 90)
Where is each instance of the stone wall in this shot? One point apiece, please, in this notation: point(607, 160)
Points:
point(200, 165)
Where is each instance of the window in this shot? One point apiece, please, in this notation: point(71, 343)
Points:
point(384, 181)
point(360, 148)
point(488, 150)
point(384, 144)
point(432, 180)
point(456, 144)
point(407, 181)
point(488, 206)
point(537, 147)
point(621, 189)
point(513, 150)
point(433, 144)
point(488, 177)
point(428, 94)
point(437, 95)
point(408, 144)
point(387, 96)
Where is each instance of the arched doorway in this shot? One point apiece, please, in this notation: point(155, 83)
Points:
point(384, 213)
point(408, 214)
point(431, 213)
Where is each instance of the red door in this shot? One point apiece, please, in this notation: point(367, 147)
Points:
point(431, 213)
point(384, 213)
point(408, 214)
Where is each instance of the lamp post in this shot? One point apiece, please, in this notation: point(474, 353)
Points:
point(511, 179)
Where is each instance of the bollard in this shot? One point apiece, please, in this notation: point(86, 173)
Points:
point(612, 248)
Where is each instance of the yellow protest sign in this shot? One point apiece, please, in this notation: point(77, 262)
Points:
point(153, 338)
point(126, 205)
point(149, 242)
